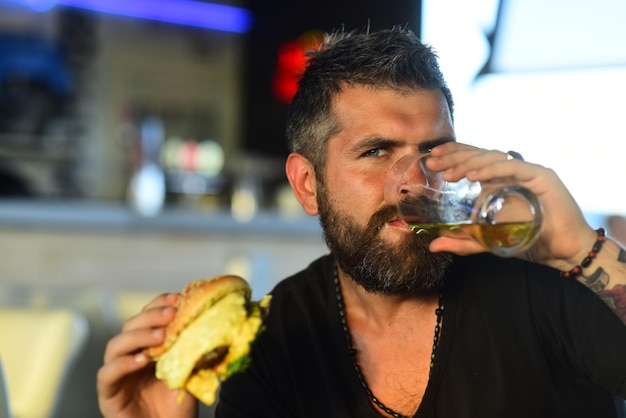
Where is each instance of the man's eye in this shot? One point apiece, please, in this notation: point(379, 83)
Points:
point(376, 152)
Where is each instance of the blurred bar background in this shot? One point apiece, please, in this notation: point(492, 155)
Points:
point(142, 146)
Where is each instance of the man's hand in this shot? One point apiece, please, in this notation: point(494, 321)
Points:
point(126, 383)
point(564, 231)
point(565, 238)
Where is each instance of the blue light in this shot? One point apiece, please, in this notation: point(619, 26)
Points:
point(182, 12)
point(40, 5)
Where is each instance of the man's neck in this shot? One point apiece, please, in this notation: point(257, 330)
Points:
point(384, 309)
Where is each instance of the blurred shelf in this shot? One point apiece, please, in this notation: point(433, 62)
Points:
point(116, 217)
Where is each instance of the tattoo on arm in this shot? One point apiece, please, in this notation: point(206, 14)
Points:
point(597, 281)
point(615, 298)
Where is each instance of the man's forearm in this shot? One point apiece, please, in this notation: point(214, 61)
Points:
point(606, 277)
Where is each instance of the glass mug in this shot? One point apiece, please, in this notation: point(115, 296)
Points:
point(504, 217)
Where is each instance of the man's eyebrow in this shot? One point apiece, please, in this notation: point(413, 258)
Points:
point(427, 146)
point(376, 142)
point(380, 142)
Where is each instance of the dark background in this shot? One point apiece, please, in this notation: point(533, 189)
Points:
point(279, 21)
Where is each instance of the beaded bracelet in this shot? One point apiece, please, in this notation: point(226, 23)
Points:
point(597, 246)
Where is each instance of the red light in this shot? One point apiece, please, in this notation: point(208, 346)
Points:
point(291, 63)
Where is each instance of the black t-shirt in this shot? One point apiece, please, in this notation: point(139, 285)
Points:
point(517, 341)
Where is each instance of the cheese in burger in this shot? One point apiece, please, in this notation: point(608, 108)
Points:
point(209, 338)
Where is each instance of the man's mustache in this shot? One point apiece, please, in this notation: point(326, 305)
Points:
point(420, 209)
point(382, 216)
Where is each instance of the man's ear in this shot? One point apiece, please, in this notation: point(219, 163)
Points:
point(301, 175)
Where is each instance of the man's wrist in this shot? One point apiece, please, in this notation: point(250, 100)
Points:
point(586, 258)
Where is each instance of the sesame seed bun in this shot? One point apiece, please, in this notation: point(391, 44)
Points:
point(196, 297)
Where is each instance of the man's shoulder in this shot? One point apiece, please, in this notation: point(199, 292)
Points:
point(306, 297)
point(516, 278)
point(311, 283)
point(488, 266)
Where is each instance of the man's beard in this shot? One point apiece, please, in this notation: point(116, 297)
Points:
point(406, 268)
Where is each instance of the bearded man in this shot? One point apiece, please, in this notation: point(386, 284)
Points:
point(394, 324)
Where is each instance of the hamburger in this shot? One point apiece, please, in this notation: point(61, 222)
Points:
point(210, 336)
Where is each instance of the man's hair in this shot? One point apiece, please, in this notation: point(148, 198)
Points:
point(394, 58)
